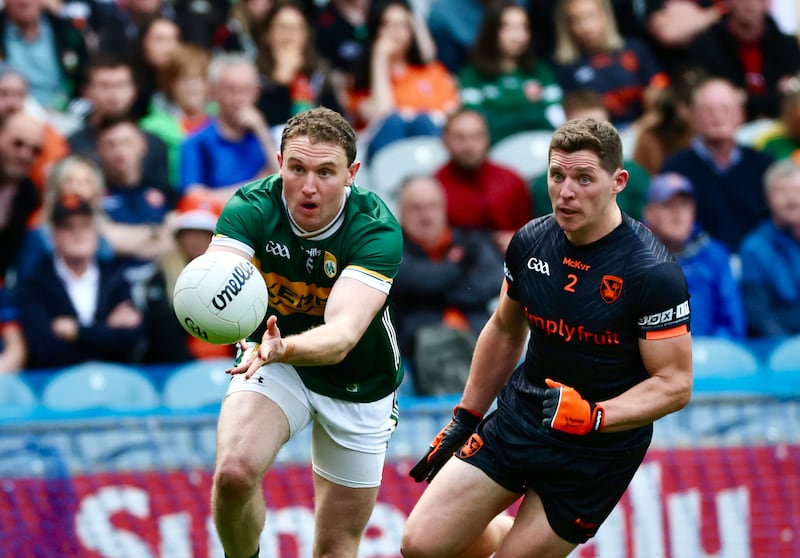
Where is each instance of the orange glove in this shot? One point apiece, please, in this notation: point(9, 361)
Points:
point(564, 409)
point(446, 443)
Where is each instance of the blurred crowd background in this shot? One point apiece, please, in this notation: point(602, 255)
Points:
point(126, 125)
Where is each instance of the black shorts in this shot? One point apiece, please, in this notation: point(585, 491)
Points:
point(579, 486)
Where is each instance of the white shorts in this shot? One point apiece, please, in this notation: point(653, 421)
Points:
point(349, 439)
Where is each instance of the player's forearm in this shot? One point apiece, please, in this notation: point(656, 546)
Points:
point(320, 346)
point(659, 395)
point(493, 361)
point(381, 101)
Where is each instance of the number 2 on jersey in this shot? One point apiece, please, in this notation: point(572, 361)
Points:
point(570, 286)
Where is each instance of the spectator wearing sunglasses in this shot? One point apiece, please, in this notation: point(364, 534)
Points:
point(14, 92)
point(21, 140)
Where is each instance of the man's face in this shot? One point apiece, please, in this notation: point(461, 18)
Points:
point(671, 221)
point(783, 198)
point(582, 193)
point(467, 140)
point(717, 112)
point(20, 145)
point(23, 12)
point(423, 210)
point(314, 177)
point(748, 11)
point(13, 90)
point(236, 88)
point(76, 238)
point(111, 90)
point(122, 149)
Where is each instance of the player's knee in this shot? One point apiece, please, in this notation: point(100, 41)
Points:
point(236, 478)
point(417, 543)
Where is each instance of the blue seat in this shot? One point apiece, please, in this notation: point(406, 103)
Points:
point(15, 391)
point(100, 385)
point(418, 155)
point(722, 365)
point(785, 357)
point(197, 385)
point(16, 396)
point(720, 357)
point(784, 365)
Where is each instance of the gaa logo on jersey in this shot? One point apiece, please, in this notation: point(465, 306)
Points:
point(329, 265)
point(277, 249)
point(539, 265)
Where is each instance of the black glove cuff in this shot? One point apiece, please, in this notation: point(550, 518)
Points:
point(468, 418)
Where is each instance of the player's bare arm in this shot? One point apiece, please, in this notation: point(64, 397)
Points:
point(350, 308)
point(215, 248)
point(496, 354)
point(668, 389)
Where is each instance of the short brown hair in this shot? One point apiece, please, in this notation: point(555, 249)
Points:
point(598, 136)
point(186, 58)
point(322, 125)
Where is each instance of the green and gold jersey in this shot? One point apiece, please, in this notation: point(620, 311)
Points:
point(364, 242)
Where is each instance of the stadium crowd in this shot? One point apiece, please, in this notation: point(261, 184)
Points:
point(126, 125)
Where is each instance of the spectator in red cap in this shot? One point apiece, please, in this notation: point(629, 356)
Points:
point(196, 217)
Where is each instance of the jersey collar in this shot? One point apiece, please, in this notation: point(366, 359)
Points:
point(325, 232)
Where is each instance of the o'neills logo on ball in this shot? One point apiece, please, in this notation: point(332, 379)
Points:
point(241, 273)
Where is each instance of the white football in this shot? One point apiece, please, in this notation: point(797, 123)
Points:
point(220, 297)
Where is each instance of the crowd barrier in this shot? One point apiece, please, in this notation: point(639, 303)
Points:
point(721, 480)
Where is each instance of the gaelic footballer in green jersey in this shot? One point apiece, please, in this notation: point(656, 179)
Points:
point(362, 242)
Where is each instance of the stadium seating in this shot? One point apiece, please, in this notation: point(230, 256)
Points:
point(401, 159)
point(722, 365)
point(784, 364)
point(525, 152)
point(197, 385)
point(100, 385)
point(785, 357)
point(16, 396)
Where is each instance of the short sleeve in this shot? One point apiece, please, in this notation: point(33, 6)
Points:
point(663, 310)
point(376, 259)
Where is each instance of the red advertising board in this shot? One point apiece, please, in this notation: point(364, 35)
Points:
point(693, 503)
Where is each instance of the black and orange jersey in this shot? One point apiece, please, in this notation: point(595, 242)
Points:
point(588, 306)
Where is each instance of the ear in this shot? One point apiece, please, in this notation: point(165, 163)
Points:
point(620, 181)
point(352, 171)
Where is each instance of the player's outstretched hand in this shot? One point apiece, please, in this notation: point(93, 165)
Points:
point(446, 443)
point(564, 409)
point(246, 354)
